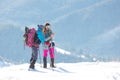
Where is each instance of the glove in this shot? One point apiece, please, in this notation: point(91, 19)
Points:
point(52, 44)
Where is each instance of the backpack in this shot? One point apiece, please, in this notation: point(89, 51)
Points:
point(36, 39)
point(31, 38)
point(25, 35)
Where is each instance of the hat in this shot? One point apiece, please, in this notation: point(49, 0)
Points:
point(40, 27)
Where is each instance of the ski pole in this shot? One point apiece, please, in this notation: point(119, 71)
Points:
point(39, 57)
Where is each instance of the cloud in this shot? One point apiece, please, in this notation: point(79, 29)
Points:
point(104, 39)
point(104, 43)
point(8, 5)
point(110, 35)
point(65, 4)
point(86, 10)
point(8, 23)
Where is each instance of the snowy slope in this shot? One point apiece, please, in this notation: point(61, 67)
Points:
point(3, 62)
point(64, 71)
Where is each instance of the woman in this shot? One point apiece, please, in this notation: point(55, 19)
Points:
point(48, 46)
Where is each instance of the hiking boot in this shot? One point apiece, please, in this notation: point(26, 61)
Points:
point(32, 64)
point(52, 63)
point(44, 62)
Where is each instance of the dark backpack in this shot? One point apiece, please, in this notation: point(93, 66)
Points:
point(25, 35)
point(36, 39)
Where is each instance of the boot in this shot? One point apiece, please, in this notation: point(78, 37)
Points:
point(32, 64)
point(52, 63)
point(44, 62)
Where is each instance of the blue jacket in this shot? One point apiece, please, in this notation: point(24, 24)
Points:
point(40, 35)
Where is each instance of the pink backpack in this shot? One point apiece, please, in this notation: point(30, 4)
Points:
point(30, 38)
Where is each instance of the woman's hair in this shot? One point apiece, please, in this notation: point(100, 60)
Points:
point(47, 24)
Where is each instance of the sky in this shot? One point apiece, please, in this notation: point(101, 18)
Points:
point(92, 26)
point(25, 12)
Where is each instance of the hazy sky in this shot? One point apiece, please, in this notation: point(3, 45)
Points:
point(76, 23)
point(32, 12)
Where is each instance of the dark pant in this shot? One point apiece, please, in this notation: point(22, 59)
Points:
point(33, 57)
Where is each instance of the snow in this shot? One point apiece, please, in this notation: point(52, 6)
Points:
point(62, 51)
point(4, 62)
point(64, 71)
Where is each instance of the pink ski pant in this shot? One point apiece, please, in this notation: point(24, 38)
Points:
point(51, 51)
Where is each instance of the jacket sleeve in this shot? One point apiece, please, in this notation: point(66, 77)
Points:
point(48, 39)
point(48, 35)
point(41, 36)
